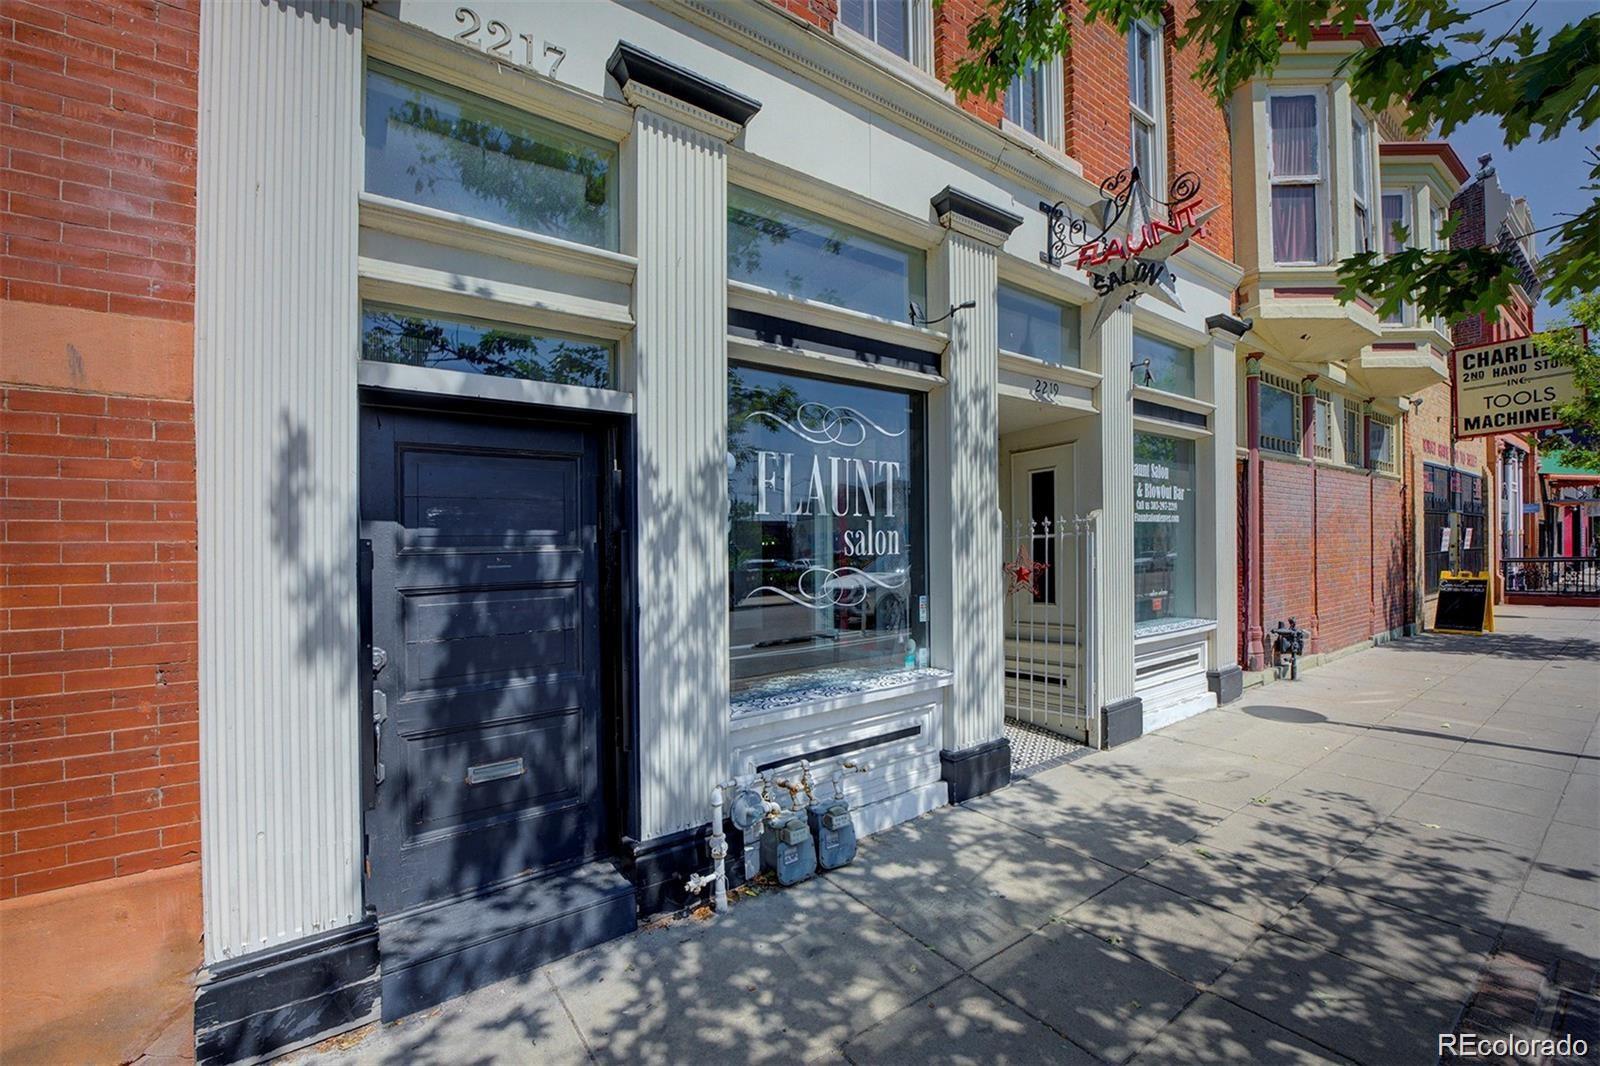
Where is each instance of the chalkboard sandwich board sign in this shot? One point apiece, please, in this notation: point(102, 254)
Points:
point(1465, 605)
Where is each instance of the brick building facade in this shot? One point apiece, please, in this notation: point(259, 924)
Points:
point(100, 747)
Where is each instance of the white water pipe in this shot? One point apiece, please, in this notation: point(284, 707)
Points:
point(719, 852)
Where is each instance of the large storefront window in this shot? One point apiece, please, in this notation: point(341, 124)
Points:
point(827, 556)
point(1164, 524)
point(430, 144)
point(800, 254)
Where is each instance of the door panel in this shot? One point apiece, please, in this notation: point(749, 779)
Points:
point(1042, 487)
point(485, 599)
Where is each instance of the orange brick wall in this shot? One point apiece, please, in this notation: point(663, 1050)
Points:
point(98, 712)
point(951, 20)
point(1197, 135)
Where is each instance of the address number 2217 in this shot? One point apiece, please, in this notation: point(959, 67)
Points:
point(496, 38)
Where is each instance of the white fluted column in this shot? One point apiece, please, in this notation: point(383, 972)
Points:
point(1111, 352)
point(1219, 462)
point(678, 164)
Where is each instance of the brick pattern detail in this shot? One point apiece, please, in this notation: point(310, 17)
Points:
point(100, 745)
point(97, 172)
point(1097, 97)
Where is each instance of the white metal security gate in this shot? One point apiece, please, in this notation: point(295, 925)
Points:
point(1052, 593)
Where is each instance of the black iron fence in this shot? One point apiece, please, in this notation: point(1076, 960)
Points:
point(1552, 576)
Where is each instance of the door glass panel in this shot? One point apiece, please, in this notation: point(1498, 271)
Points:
point(1042, 497)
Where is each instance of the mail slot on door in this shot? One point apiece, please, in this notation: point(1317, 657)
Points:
point(495, 771)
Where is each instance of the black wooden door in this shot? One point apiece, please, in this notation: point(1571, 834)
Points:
point(486, 608)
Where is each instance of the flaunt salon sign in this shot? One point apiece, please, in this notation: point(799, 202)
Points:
point(1509, 386)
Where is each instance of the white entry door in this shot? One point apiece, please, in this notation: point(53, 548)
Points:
point(1042, 496)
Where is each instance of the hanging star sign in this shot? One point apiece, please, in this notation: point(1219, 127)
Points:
point(1120, 272)
point(1023, 571)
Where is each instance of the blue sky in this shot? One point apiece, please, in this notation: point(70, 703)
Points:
point(1551, 173)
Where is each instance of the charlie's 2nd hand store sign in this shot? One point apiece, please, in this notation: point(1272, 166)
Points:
point(1511, 385)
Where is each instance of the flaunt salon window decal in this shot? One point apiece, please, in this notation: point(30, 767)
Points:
point(825, 533)
point(1125, 253)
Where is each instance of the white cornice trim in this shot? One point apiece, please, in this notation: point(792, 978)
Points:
point(679, 111)
point(448, 292)
point(750, 350)
point(809, 52)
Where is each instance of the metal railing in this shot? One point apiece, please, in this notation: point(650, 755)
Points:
point(1551, 576)
point(1052, 594)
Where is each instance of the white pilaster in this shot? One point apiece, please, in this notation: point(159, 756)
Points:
point(965, 502)
point(1219, 507)
point(1111, 352)
point(275, 428)
point(678, 168)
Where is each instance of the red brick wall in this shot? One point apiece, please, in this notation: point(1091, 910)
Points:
point(1097, 97)
point(101, 745)
point(1285, 543)
point(1344, 558)
point(98, 712)
point(820, 13)
point(1197, 134)
point(951, 20)
point(1358, 586)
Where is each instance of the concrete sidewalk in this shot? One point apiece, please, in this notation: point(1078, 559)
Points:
point(1403, 844)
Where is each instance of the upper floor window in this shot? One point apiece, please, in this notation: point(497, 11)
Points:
point(437, 146)
point(1396, 213)
point(1147, 106)
point(1322, 425)
point(1380, 443)
point(1352, 433)
point(797, 253)
point(896, 26)
point(1296, 168)
point(1361, 181)
point(1171, 365)
point(1025, 101)
point(1034, 326)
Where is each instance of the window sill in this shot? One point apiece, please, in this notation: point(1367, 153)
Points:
point(894, 63)
point(748, 297)
point(824, 695)
point(1161, 629)
point(1062, 372)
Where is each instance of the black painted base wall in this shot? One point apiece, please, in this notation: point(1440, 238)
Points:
point(659, 867)
point(288, 996)
point(1121, 722)
point(976, 771)
point(1227, 683)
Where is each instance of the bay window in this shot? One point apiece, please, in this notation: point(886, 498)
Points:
point(1380, 443)
point(1038, 327)
point(1361, 181)
point(1396, 213)
point(1147, 106)
point(437, 146)
point(801, 254)
point(1165, 522)
point(1296, 170)
point(827, 553)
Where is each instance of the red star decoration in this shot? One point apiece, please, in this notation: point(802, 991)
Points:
point(1023, 571)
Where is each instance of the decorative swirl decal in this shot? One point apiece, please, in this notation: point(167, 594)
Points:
point(846, 586)
point(818, 423)
point(1067, 234)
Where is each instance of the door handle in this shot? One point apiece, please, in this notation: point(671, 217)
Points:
point(380, 714)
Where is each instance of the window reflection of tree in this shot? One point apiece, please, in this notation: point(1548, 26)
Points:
point(528, 178)
point(398, 338)
point(750, 233)
point(744, 399)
